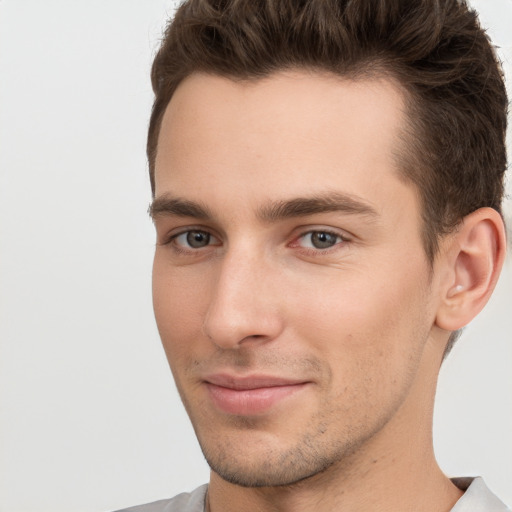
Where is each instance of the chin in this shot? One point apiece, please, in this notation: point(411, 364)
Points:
point(266, 474)
point(266, 467)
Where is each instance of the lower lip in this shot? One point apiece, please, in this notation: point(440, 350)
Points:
point(246, 402)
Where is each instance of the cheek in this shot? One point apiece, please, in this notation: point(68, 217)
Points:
point(361, 324)
point(372, 342)
point(179, 303)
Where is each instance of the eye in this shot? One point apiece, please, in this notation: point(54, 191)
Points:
point(194, 239)
point(319, 240)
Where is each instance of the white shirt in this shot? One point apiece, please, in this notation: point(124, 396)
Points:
point(476, 498)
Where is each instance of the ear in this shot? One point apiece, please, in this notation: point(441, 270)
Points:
point(472, 263)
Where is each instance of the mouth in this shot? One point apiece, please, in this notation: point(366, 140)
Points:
point(250, 395)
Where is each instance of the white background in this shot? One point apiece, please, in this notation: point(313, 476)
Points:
point(89, 417)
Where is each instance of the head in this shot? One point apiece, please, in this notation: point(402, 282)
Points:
point(271, 120)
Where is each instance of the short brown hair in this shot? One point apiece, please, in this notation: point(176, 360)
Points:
point(454, 150)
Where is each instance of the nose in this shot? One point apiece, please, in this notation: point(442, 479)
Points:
point(243, 307)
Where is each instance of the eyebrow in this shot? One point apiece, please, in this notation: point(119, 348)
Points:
point(321, 203)
point(166, 205)
point(274, 211)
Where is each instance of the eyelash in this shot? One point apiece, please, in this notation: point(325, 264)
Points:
point(171, 241)
point(310, 251)
point(317, 251)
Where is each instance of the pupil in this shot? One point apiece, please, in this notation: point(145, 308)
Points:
point(322, 240)
point(198, 239)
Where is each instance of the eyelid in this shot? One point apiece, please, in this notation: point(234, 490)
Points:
point(171, 235)
point(344, 237)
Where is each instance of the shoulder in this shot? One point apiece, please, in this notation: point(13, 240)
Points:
point(184, 502)
point(477, 497)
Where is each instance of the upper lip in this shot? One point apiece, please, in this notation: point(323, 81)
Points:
point(250, 381)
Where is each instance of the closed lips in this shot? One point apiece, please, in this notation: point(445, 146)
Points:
point(253, 395)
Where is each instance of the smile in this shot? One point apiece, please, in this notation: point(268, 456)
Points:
point(250, 395)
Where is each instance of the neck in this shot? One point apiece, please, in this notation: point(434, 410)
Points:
point(394, 471)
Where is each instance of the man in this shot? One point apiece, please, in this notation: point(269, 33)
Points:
point(327, 180)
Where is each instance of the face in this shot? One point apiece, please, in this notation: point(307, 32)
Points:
point(291, 288)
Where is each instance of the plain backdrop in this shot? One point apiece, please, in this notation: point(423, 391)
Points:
point(89, 416)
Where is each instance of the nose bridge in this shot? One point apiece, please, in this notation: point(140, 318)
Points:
point(241, 306)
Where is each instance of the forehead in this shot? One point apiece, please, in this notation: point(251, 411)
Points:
point(284, 135)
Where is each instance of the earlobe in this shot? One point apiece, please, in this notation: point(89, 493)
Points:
point(473, 263)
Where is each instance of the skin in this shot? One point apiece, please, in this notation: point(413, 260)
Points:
point(360, 322)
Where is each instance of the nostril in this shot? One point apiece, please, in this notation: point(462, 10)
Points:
point(254, 337)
